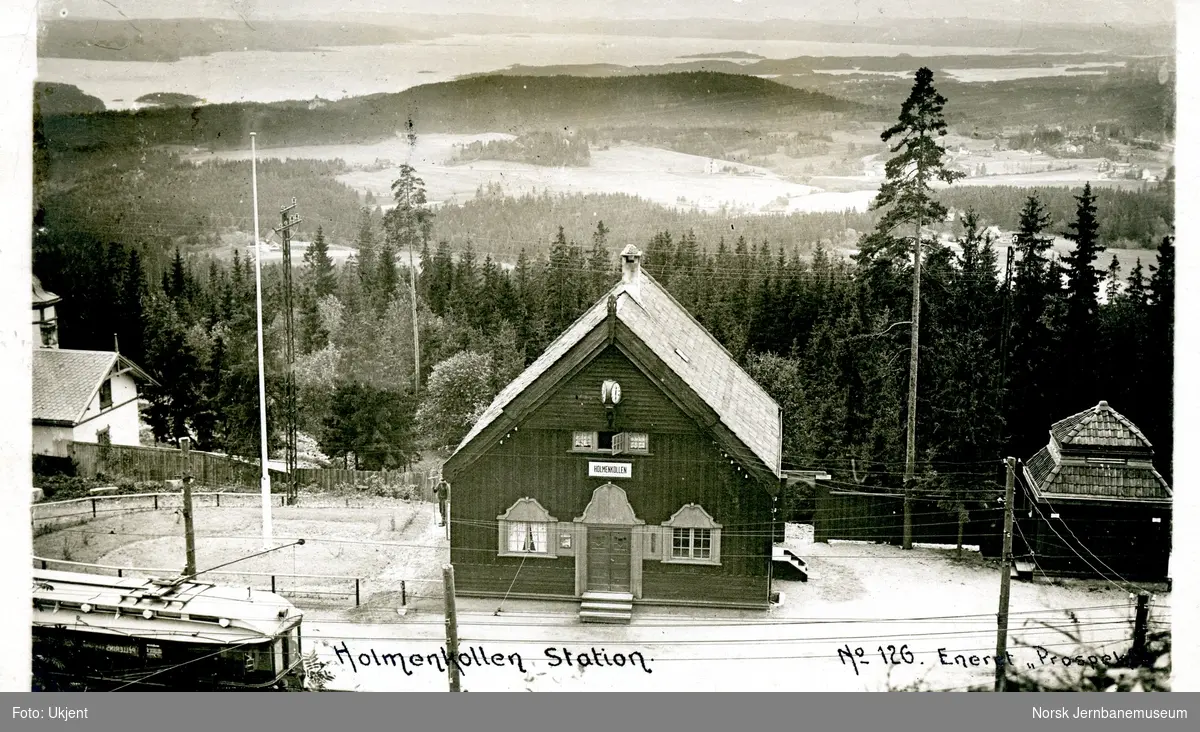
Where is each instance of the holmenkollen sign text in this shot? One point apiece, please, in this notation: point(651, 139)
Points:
point(609, 470)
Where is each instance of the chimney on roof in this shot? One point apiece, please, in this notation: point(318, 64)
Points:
point(631, 268)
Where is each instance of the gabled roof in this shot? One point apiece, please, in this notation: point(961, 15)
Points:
point(1099, 427)
point(676, 339)
point(65, 381)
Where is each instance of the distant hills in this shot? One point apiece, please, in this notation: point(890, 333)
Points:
point(477, 104)
point(172, 39)
point(58, 99)
point(964, 32)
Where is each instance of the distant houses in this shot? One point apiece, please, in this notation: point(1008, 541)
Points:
point(1093, 504)
point(79, 396)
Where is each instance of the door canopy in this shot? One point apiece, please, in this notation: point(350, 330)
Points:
point(609, 507)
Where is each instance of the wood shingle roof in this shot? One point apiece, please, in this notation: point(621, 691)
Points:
point(1099, 427)
point(680, 342)
point(1099, 455)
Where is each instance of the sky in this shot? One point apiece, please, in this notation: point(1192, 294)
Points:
point(1045, 11)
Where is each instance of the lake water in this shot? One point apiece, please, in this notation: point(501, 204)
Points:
point(333, 73)
point(973, 76)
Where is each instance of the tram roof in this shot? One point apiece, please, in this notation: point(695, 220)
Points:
point(187, 611)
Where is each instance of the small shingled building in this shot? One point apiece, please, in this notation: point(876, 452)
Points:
point(1093, 504)
point(633, 461)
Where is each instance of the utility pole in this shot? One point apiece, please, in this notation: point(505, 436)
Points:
point(451, 626)
point(1140, 622)
point(910, 457)
point(1005, 577)
point(289, 382)
point(185, 444)
point(412, 270)
point(265, 481)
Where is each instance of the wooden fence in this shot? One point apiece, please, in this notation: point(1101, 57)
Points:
point(879, 517)
point(162, 463)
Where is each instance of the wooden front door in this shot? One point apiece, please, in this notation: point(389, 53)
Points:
point(609, 559)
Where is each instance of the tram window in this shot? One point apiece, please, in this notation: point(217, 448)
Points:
point(293, 645)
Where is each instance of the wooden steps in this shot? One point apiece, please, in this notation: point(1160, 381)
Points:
point(788, 566)
point(606, 607)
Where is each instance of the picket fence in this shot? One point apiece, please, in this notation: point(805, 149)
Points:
point(210, 469)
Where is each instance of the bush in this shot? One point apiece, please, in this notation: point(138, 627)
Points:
point(47, 465)
point(63, 487)
point(376, 485)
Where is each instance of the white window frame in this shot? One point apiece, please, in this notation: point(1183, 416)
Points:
point(690, 518)
point(524, 520)
point(594, 439)
point(623, 443)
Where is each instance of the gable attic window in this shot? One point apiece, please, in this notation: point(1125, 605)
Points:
point(106, 394)
point(631, 443)
point(691, 536)
point(592, 442)
point(527, 530)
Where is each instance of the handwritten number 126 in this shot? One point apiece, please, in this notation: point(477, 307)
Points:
point(906, 656)
point(894, 656)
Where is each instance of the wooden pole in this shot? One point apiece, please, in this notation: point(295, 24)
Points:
point(1005, 576)
point(265, 480)
point(189, 569)
point(910, 455)
point(451, 626)
point(1140, 622)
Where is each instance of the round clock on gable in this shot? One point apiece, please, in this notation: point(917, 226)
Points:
point(610, 392)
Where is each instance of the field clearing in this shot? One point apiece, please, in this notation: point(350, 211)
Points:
point(674, 179)
point(666, 177)
point(358, 541)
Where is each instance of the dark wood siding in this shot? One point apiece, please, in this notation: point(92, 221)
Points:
point(1116, 542)
point(684, 466)
point(644, 406)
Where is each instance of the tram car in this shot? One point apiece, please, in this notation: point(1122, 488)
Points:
point(98, 633)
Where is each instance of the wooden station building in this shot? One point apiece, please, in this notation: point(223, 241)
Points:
point(1093, 503)
point(634, 461)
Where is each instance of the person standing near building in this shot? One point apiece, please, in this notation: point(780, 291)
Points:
point(443, 493)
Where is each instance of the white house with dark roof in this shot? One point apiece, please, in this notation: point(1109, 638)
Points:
point(79, 396)
point(619, 466)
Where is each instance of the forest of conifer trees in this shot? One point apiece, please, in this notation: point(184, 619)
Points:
point(1004, 353)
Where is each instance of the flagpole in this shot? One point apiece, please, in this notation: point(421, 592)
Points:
point(262, 382)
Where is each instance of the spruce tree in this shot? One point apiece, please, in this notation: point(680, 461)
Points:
point(320, 266)
point(366, 246)
point(1079, 331)
point(599, 264)
point(1031, 345)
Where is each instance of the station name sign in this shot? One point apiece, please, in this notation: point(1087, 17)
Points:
point(609, 470)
